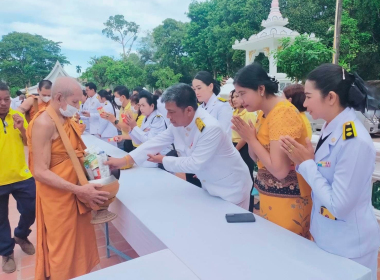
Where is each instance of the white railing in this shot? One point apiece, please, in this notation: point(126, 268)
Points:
point(376, 173)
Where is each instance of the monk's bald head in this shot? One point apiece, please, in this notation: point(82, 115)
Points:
point(66, 86)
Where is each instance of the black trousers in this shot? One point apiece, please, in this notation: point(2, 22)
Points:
point(189, 177)
point(24, 193)
point(128, 146)
point(244, 153)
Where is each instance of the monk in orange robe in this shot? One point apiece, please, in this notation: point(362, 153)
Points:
point(33, 104)
point(66, 242)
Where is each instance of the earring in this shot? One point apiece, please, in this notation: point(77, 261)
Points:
point(262, 94)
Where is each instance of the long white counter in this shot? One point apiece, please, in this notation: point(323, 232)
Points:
point(158, 210)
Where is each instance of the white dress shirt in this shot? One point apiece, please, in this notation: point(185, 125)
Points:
point(220, 110)
point(209, 154)
point(93, 122)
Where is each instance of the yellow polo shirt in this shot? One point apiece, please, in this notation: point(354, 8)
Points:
point(245, 116)
point(125, 110)
point(13, 167)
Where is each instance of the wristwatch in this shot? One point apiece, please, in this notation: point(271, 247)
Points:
point(116, 122)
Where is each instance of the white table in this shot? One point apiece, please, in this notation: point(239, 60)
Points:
point(162, 265)
point(158, 210)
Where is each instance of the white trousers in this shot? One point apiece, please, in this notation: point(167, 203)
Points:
point(370, 261)
point(244, 204)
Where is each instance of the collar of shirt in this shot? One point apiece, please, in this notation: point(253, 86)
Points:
point(198, 114)
point(150, 118)
point(210, 102)
point(348, 114)
point(242, 113)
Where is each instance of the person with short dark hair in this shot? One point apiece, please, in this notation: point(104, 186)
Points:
point(17, 101)
point(207, 89)
point(16, 180)
point(89, 113)
point(340, 170)
point(295, 93)
point(285, 197)
point(33, 104)
point(137, 90)
point(203, 149)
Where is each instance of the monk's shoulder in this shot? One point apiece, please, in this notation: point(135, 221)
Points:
point(44, 122)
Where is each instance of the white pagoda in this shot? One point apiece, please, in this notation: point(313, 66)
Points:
point(267, 41)
point(56, 72)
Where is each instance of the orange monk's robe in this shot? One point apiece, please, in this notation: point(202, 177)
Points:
point(66, 242)
point(31, 113)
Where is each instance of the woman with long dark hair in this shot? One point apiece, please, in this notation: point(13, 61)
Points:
point(339, 172)
point(285, 197)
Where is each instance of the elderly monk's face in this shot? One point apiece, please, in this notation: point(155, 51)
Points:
point(72, 99)
point(179, 116)
point(5, 102)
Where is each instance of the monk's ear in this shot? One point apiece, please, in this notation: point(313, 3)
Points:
point(59, 96)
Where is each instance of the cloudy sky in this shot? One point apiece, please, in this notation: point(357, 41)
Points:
point(78, 24)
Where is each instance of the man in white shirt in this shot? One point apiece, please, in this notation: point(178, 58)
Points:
point(90, 114)
point(203, 148)
point(16, 102)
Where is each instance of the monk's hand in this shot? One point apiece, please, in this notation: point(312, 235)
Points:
point(297, 152)
point(18, 122)
point(90, 194)
point(155, 158)
point(116, 163)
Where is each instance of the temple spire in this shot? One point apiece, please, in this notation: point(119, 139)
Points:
point(275, 17)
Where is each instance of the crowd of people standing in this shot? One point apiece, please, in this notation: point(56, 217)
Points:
point(323, 195)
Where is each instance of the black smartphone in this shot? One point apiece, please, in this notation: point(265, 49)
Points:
point(240, 218)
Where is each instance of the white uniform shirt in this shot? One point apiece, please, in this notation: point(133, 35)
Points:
point(92, 122)
point(341, 180)
point(106, 128)
point(16, 102)
point(162, 111)
point(209, 155)
point(150, 127)
point(220, 110)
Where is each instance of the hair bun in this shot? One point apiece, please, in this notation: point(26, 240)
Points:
point(273, 80)
point(358, 94)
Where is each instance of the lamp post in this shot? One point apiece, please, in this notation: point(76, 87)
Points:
point(337, 29)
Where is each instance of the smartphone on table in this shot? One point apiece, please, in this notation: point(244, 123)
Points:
point(240, 218)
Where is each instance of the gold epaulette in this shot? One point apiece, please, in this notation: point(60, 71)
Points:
point(222, 99)
point(349, 130)
point(158, 116)
point(200, 124)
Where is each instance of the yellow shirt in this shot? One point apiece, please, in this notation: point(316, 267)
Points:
point(125, 110)
point(13, 167)
point(245, 116)
point(138, 123)
point(307, 124)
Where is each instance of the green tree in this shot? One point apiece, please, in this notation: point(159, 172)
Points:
point(166, 77)
point(213, 29)
point(168, 39)
point(297, 59)
point(96, 73)
point(149, 69)
point(25, 59)
point(121, 31)
point(147, 49)
point(125, 73)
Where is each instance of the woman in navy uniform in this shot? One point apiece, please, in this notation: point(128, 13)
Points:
point(340, 170)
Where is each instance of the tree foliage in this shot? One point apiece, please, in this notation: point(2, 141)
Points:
point(121, 31)
point(299, 58)
point(166, 77)
point(25, 59)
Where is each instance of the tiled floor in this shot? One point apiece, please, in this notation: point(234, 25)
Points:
point(26, 264)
